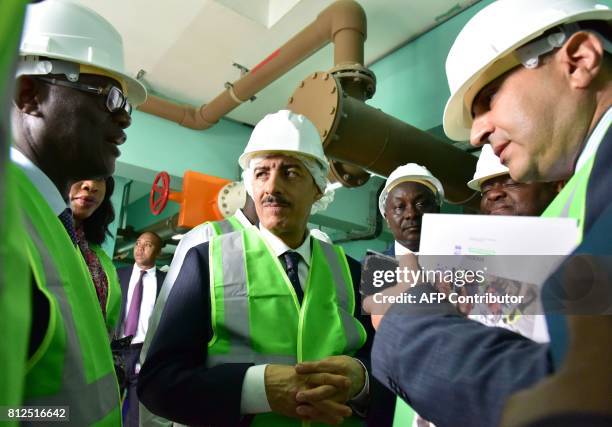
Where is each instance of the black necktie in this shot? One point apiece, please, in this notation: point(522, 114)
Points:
point(66, 218)
point(291, 262)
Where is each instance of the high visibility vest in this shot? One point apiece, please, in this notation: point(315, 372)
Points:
point(225, 226)
point(571, 201)
point(256, 316)
point(73, 366)
point(146, 417)
point(113, 297)
point(15, 291)
point(15, 298)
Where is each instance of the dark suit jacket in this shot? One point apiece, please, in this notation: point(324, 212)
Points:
point(454, 371)
point(124, 274)
point(390, 250)
point(174, 381)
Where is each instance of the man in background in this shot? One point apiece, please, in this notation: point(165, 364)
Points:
point(140, 285)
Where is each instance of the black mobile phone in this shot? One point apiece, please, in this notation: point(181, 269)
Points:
point(377, 272)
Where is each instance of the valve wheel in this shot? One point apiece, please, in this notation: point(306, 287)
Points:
point(160, 191)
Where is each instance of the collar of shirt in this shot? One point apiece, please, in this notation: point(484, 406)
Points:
point(41, 181)
point(279, 247)
point(150, 271)
point(595, 139)
point(401, 249)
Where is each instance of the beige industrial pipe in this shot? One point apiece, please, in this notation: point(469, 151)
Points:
point(343, 23)
point(362, 136)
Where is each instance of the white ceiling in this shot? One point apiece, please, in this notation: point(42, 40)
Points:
point(187, 47)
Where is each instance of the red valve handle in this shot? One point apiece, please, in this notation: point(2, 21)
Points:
point(157, 204)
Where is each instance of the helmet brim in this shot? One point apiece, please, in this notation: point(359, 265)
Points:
point(476, 184)
point(457, 119)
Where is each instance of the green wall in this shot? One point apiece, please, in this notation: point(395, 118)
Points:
point(157, 144)
point(411, 82)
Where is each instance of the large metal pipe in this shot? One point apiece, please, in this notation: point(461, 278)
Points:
point(358, 134)
point(343, 23)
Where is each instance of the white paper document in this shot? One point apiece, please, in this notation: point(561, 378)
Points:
point(515, 255)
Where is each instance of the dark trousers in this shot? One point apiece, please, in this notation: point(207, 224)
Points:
point(130, 404)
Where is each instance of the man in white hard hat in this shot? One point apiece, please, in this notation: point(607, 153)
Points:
point(501, 195)
point(70, 109)
point(225, 352)
point(533, 80)
point(410, 191)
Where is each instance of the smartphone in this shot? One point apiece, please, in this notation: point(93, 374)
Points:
point(373, 271)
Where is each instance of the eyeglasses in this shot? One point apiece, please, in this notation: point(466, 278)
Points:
point(115, 99)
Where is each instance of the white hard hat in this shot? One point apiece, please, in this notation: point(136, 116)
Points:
point(67, 31)
point(285, 132)
point(487, 47)
point(488, 166)
point(411, 172)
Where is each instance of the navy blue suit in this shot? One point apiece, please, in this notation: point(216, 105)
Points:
point(454, 371)
point(174, 381)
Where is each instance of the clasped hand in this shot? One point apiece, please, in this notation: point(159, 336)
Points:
point(315, 391)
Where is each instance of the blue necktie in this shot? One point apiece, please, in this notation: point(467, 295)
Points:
point(291, 262)
point(66, 218)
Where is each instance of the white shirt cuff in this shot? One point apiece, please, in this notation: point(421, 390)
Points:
point(359, 403)
point(253, 399)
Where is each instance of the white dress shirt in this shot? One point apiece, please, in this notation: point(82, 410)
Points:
point(253, 398)
point(401, 249)
point(43, 184)
point(149, 290)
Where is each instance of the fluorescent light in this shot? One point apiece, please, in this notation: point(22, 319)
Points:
point(177, 236)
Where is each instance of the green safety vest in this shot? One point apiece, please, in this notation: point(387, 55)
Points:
point(571, 201)
point(256, 316)
point(15, 291)
point(113, 297)
point(225, 226)
point(73, 366)
point(147, 418)
point(15, 298)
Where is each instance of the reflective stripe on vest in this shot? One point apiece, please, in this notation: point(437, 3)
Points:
point(226, 226)
point(257, 319)
point(571, 201)
point(88, 402)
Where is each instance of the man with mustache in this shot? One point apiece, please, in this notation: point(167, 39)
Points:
point(501, 195)
point(532, 79)
point(70, 108)
point(248, 305)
